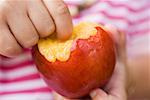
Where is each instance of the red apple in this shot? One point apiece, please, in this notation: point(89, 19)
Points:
point(89, 66)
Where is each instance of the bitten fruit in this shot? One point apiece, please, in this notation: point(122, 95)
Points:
point(78, 65)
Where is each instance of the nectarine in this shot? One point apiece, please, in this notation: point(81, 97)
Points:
point(75, 67)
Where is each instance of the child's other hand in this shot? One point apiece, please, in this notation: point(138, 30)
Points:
point(23, 22)
point(116, 89)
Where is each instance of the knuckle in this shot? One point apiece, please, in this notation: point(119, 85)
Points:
point(10, 51)
point(62, 8)
point(7, 5)
point(6, 9)
point(30, 42)
point(8, 48)
point(49, 29)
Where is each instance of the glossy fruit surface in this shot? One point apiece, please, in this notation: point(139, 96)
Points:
point(90, 65)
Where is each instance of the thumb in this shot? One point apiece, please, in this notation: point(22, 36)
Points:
point(98, 94)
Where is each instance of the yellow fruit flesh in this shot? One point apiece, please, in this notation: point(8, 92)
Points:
point(53, 49)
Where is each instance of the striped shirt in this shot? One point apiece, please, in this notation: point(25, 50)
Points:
point(19, 78)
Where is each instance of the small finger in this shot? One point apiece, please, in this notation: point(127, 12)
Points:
point(61, 16)
point(22, 29)
point(8, 45)
point(41, 18)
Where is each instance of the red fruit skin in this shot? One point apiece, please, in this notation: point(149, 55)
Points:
point(90, 66)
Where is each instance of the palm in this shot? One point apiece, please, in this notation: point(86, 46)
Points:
point(115, 89)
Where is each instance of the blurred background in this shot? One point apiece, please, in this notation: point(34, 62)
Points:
point(130, 16)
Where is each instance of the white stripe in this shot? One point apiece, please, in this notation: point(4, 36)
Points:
point(27, 96)
point(139, 27)
point(75, 1)
point(98, 17)
point(76, 21)
point(103, 6)
point(23, 85)
point(24, 57)
point(143, 38)
point(139, 45)
point(138, 31)
point(19, 72)
point(134, 4)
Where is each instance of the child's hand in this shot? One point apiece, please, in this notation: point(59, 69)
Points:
point(23, 22)
point(116, 89)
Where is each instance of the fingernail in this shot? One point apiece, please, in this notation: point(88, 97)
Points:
point(93, 93)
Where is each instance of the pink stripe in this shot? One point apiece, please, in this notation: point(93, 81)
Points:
point(121, 18)
point(126, 6)
point(111, 16)
point(23, 78)
point(16, 66)
point(42, 89)
point(76, 16)
point(124, 19)
point(146, 19)
point(27, 50)
point(145, 31)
